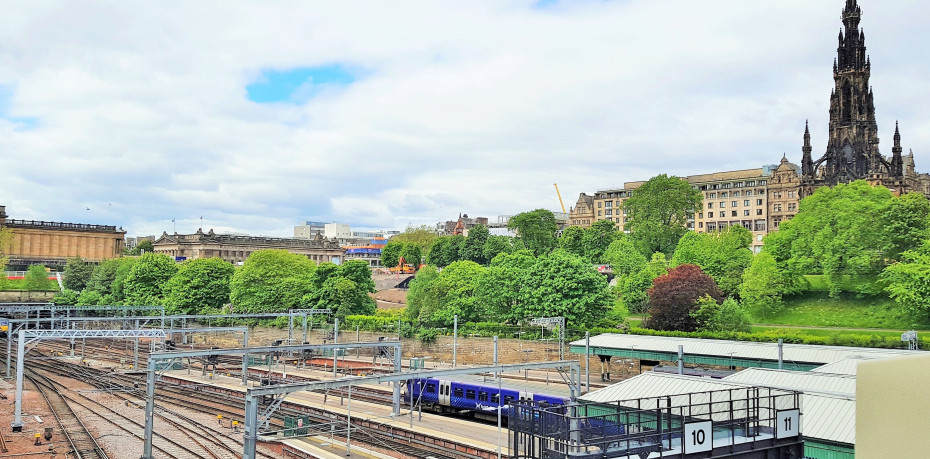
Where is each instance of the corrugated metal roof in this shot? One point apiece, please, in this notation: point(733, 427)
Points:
point(847, 366)
point(804, 381)
point(823, 416)
point(799, 353)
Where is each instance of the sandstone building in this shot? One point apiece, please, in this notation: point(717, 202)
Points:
point(235, 248)
point(52, 243)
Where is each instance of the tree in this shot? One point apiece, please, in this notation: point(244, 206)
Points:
point(909, 281)
point(724, 255)
point(271, 281)
point(77, 274)
point(562, 284)
point(496, 245)
point(118, 289)
point(412, 254)
point(624, 257)
point(633, 288)
point(673, 298)
point(147, 281)
point(37, 279)
point(847, 230)
point(501, 287)
point(89, 297)
point(457, 294)
point(422, 294)
point(103, 277)
point(453, 249)
point(422, 236)
point(390, 254)
point(658, 212)
point(201, 286)
point(343, 288)
point(597, 239)
point(536, 229)
point(439, 252)
point(473, 249)
point(571, 240)
point(763, 284)
point(728, 316)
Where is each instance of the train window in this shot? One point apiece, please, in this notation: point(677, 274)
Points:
point(496, 398)
point(483, 396)
point(458, 392)
point(470, 394)
point(430, 387)
point(508, 399)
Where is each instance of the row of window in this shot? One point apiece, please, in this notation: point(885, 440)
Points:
point(482, 395)
point(735, 194)
point(723, 204)
point(733, 213)
point(758, 225)
point(610, 213)
point(778, 194)
point(792, 206)
point(728, 185)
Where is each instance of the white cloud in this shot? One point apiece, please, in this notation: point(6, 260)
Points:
point(473, 107)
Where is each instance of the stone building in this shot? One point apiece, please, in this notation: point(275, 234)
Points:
point(235, 248)
point(464, 221)
point(52, 243)
point(583, 213)
point(783, 193)
point(852, 151)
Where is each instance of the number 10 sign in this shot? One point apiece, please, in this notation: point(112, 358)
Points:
point(699, 437)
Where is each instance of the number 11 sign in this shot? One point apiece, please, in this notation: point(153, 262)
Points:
point(787, 423)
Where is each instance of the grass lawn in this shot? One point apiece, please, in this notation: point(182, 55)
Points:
point(819, 310)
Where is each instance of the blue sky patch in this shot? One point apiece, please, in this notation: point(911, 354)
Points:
point(21, 123)
point(542, 4)
point(298, 85)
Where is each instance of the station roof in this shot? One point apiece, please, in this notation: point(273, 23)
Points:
point(847, 366)
point(727, 353)
point(804, 381)
point(827, 417)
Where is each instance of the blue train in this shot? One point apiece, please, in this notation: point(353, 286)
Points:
point(443, 396)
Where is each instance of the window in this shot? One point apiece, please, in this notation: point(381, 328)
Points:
point(723, 204)
point(598, 204)
point(617, 219)
point(734, 204)
point(727, 185)
point(758, 211)
point(758, 202)
point(791, 194)
point(700, 224)
point(710, 205)
point(751, 183)
point(457, 392)
point(763, 182)
point(713, 195)
point(608, 204)
point(710, 215)
point(736, 194)
point(792, 206)
point(733, 213)
point(470, 394)
point(738, 185)
point(609, 212)
point(701, 215)
point(776, 207)
point(496, 399)
point(508, 399)
point(747, 193)
point(746, 213)
point(760, 225)
point(711, 227)
point(599, 212)
point(430, 387)
point(746, 202)
point(482, 396)
point(723, 195)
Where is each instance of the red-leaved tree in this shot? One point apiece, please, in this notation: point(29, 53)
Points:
point(674, 296)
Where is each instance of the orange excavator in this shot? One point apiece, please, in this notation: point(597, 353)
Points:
point(403, 267)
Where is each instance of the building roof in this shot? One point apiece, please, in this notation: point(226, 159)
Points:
point(727, 175)
point(847, 366)
point(804, 381)
point(829, 417)
point(792, 353)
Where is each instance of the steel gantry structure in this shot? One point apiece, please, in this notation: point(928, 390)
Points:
point(36, 335)
point(156, 357)
point(254, 394)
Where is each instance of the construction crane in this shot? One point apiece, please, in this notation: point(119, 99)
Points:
point(560, 197)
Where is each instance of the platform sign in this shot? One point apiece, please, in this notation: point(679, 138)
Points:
point(698, 438)
point(787, 423)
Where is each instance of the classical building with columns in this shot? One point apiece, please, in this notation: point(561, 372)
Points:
point(52, 243)
point(236, 248)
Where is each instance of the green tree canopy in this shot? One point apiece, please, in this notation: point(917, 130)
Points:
point(728, 316)
point(422, 295)
point(597, 239)
point(456, 290)
point(724, 255)
point(103, 278)
point(37, 279)
point(496, 245)
point(624, 257)
point(909, 281)
point(201, 286)
point(658, 212)
point(77, 274)
point(571, 240)
point(633, 288)
point(763, 284)
point(536, 229)
point(117, 290)
point(147, 281)
point(473, 249)
point(847, 230)
point(271, 281)
point(390, 254)
point(343, 288)
point(422, 236)
point(501, 287)
point(562, 284)
point(412, 254)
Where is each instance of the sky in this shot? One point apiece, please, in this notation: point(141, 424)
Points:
point(258, 116)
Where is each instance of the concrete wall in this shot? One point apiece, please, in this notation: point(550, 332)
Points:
point(892, 408)
point(26, 297)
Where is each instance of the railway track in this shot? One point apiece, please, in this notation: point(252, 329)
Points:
point(82, 442)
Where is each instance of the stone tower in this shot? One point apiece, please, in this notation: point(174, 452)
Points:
point(852, 149)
